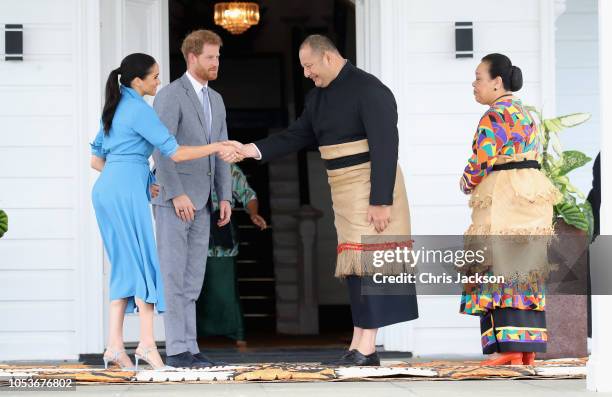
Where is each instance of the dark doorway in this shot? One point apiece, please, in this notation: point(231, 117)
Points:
point(263, 88)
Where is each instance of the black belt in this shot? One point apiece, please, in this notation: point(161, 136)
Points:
point(347, 161)
point(517, 165)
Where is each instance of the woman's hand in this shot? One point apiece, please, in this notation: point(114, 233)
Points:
point(97, 163)
point(154, 190)
point(230, 151)
point(463, 186)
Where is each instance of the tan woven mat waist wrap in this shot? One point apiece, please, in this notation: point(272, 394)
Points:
point(330, 152)
point(515, 205)
point(357, 238)
point(517, 201)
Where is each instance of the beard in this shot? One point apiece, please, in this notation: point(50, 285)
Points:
point(206, 74)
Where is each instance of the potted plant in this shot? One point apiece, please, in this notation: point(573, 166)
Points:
point(573, 209)
point(3, 223)
point(566, 314)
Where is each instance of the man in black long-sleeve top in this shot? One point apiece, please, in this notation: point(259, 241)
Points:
point(352, 117)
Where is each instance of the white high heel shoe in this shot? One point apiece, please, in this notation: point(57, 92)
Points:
point(143, 354)
point(114, 359)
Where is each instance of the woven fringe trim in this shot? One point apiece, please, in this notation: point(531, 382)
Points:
point(477, 235)
point(373, 247)
point(485, 230)
point(356, 259)
point(552, 196)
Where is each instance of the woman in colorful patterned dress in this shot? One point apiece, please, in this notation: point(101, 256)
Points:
point(512, 198)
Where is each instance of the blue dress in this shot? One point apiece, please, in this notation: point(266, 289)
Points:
point(121, 199)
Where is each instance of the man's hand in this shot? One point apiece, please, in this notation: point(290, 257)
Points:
point(184, 208)
point(230, 151)
point(225, 209)
point(380, 216)
point(249, 151)
point(154, 190)
point(259, 221)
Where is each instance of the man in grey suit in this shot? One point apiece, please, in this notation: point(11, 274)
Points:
point(195, 114)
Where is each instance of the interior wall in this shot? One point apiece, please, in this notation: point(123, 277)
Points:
point(272, 35)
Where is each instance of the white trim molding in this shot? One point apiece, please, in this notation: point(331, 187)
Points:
point(87, 104)
point(598, 366)
point(377, 48)
point(550, 10)
point(368, 35)
point(560, 7)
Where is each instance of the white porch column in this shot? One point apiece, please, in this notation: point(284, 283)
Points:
point(598, 378)
point(598, 375)
point(88, 102)
point(377, 48)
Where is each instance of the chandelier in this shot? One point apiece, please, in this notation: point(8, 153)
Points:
point(235, 16)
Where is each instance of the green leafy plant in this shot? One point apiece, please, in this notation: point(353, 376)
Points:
point(557, 163)
point(3, 223)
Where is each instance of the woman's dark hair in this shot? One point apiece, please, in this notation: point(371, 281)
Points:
point(132, 66)
point(500, 65)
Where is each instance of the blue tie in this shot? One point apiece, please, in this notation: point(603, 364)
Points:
point(207, 115)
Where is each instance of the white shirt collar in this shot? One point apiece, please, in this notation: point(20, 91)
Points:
point(197, 86)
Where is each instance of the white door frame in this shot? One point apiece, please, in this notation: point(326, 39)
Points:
point(374, 54)
point(598, 366)
point(118, 39)
point(90, 328)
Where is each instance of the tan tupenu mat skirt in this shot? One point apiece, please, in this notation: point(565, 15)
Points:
point(515, 206)
point(357, 238)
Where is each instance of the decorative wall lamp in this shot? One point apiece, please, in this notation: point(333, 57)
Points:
point(464, 41)
point(13, 42)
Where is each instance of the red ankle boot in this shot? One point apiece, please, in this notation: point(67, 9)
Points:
point(528, 358)
point(509, 358)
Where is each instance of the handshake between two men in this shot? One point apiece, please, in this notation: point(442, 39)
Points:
point(234, 151)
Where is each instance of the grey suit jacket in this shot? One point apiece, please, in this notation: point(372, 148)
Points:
point(181, 111)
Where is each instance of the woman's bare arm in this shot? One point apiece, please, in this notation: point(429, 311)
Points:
point(228, 151)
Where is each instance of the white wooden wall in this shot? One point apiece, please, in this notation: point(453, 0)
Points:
point(578, 81)
point(51, 259)
point(44, 112)
point(410, 45)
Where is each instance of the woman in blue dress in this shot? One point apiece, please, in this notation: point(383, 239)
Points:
point(129, 132)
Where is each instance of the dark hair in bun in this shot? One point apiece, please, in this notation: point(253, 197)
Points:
point(500, 65)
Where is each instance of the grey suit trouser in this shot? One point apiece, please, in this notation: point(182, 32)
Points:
point(183, 249)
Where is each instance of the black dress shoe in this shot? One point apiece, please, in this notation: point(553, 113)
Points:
point(361, 360)
point(202, 361)
point(344, 360)
point(181, 360)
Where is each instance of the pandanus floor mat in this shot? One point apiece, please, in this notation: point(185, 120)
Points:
point(434, 370)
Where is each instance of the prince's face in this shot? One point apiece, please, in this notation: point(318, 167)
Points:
point(206, 65)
